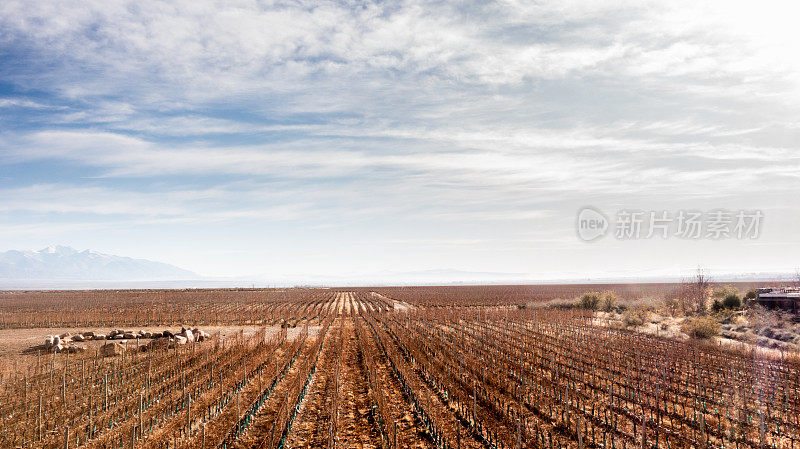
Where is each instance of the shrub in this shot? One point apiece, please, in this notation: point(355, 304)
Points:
point(634, 317)
point(767, 332)
point(555, 303)
point(722, 292)
point(608, 301)
point(702, 327)
point(674, 306)
point(589, 301)
point(784, 335)
point(732, 301)
point(751, 294)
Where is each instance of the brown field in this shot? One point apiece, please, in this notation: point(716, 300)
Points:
point(394, 367)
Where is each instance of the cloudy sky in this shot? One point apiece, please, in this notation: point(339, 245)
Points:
point(358, 139)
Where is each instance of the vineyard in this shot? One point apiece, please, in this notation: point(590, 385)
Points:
point(382, 368)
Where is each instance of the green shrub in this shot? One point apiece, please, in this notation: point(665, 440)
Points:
point(589, 301)
point(751, 294)
point(732, 301)
point(701, 327)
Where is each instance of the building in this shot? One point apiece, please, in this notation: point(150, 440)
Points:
point(785, 298)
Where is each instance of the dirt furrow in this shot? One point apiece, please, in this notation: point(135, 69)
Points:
point(357, 426)
point(310, 427)
point(409, 430)
point(455, 430)
point(262, 428)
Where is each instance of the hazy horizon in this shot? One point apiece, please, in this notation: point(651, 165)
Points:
point(71, 269)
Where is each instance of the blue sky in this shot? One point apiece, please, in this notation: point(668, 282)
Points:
point(304, 140)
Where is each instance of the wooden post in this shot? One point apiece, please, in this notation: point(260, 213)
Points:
point(140, 411)
point(644, 432)
point(64, 386)
point(39, 427)
point(188, 415)
point(66, 437)
point(702, 428)
point(428, 396)
point(474, 405)
point(91, 415)
point(25, 398)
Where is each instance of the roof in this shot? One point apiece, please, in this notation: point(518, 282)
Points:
point(780, 295)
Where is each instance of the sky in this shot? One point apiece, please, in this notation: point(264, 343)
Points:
point(348, 140)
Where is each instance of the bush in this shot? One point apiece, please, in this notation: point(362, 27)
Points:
point(634, 317)
point(783, 335)
point(722, 292)
point(702, 327)
point(732, 301)
point(751, 294)
point(609, 301)
point(555, 303)
point(589, 301)
point(673, 306)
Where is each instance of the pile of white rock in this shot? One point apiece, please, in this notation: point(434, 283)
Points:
point(66, 342)
point(187, 335)
point(62, 343)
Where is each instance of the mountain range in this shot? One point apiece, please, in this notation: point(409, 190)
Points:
point(63, 262)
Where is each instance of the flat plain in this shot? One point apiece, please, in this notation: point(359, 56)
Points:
point(400, 367)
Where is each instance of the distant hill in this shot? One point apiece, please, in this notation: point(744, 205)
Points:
point(63, 262)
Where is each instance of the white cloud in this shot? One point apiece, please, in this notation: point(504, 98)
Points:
point(453, 115)
point(504, 164)
point(20, 102)
point(213, 49)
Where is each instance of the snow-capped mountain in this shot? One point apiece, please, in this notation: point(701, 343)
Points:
point(63, 262)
